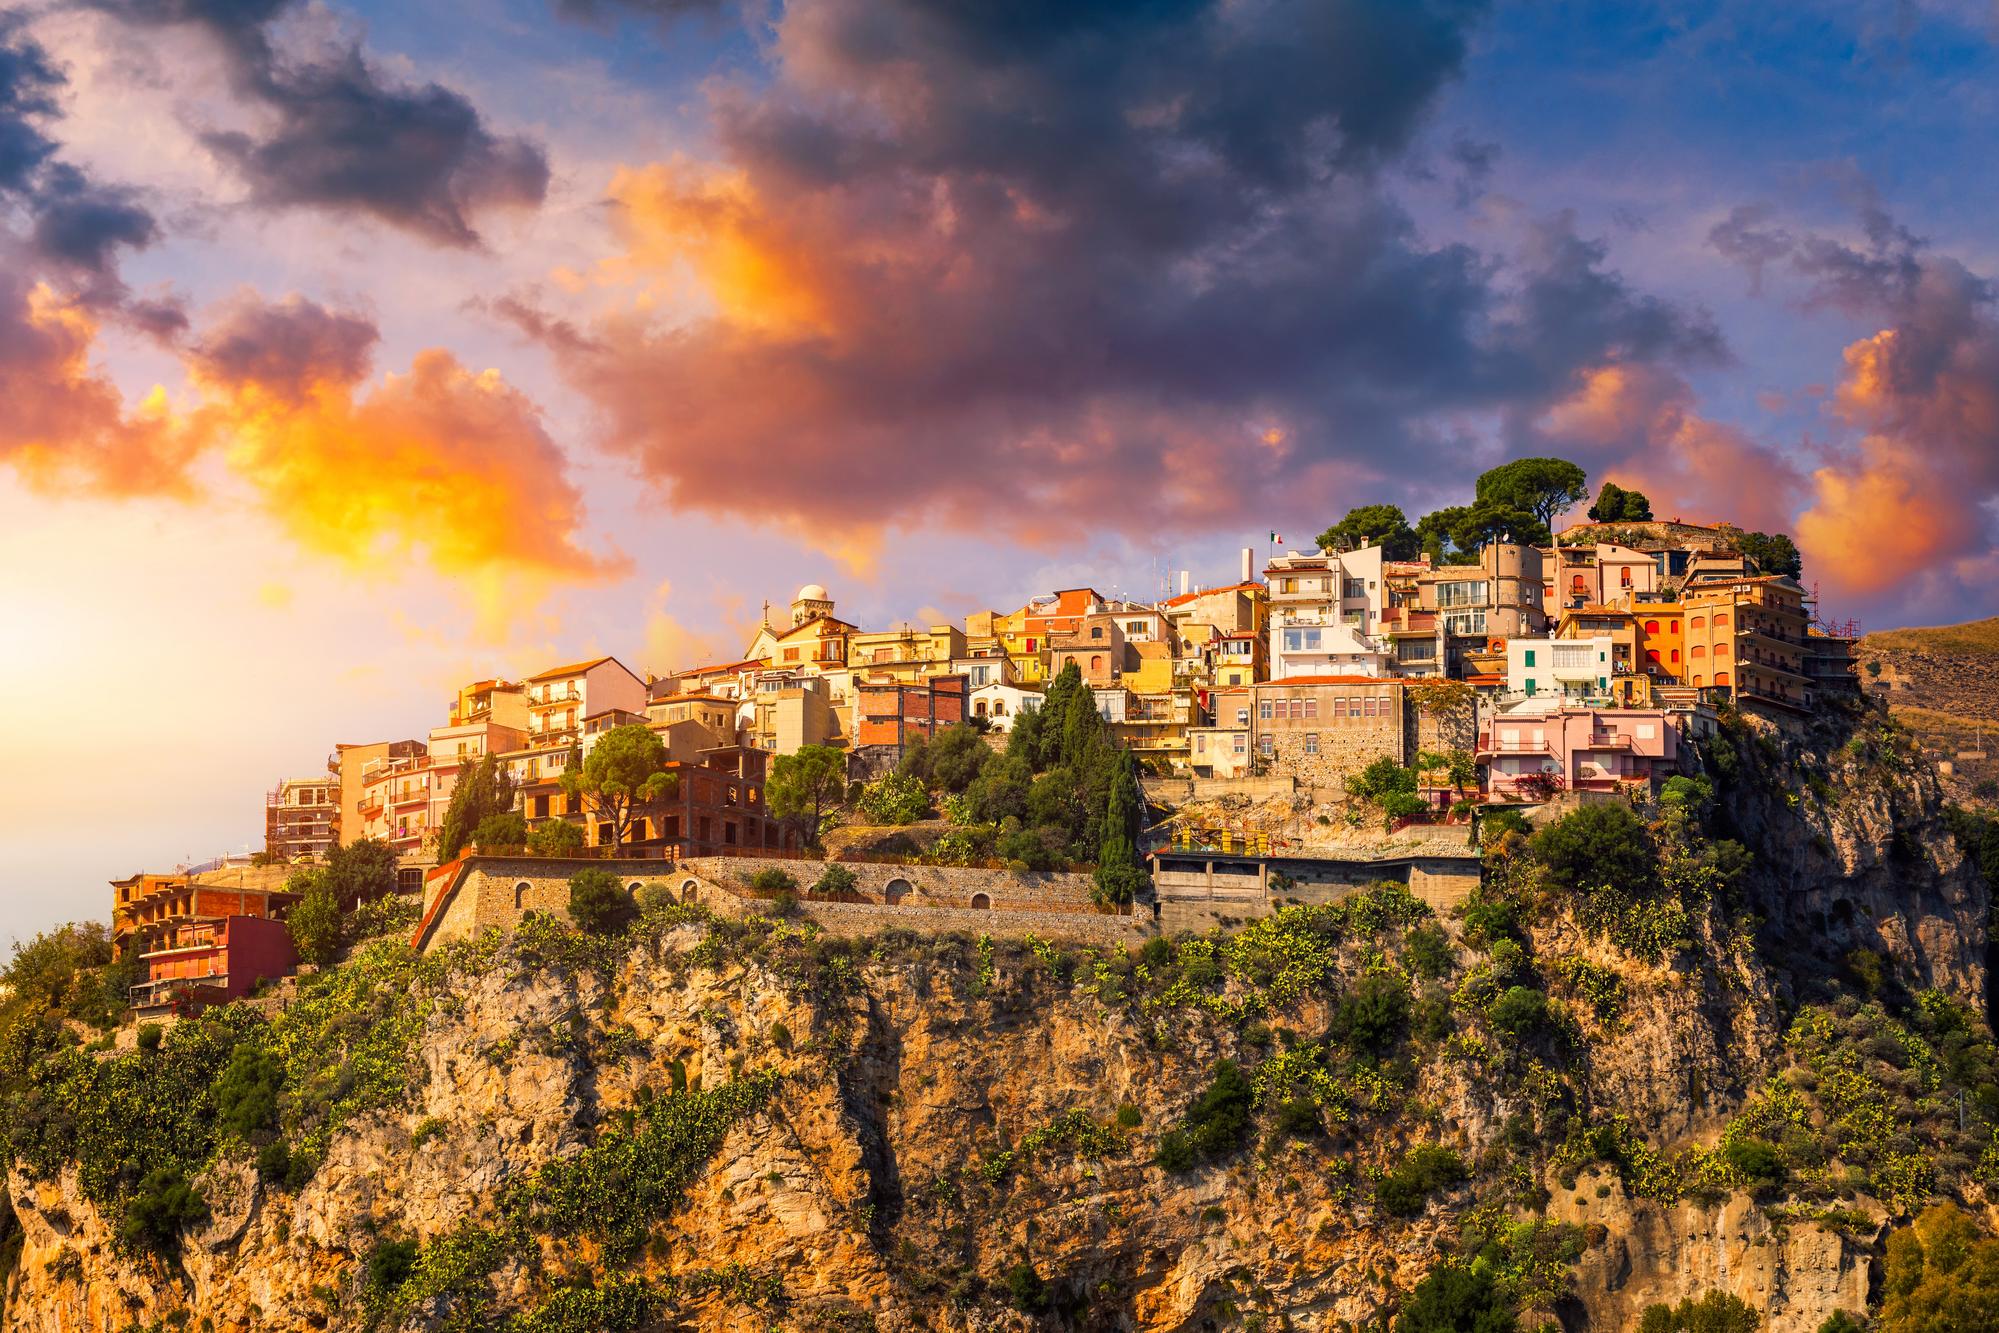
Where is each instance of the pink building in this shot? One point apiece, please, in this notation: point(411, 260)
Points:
point(200, 963)
point(1588, 749)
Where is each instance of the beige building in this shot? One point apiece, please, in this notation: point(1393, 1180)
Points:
point(559, 699)
point(1320, 730)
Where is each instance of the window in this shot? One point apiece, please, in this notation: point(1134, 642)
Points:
point(1700, 650)
point(1461, 592)
point(1651, 627)
point(1676, 655)
point(1096, 631)
point(1242, 717)
point(1353, 588)
point(1301, 640)
point(1263, 709)
point(1311, 742)
point(1465, 622)
point(1311, 709)
point(1721, 650)
point(1241, 744)
point(729, 832)
point(1266, 746)
point(1700, 622)
point(1096, 663)
point(1530, 685)
point(791, 654)
point(521, 891)
point(1529, 657)
point(1624, 577)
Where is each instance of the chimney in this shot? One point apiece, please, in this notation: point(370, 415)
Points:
point(1183, 582)
point(1248, 560)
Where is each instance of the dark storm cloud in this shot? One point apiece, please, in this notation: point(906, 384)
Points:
point(27, 87)
point(283, 347)
point(81, 223)
point(1107, 264)
point(346, 140)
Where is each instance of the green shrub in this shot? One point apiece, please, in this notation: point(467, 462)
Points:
point(1598, 846)
point(895, 799)
point(1428, 1167)
point(389, 1265)
point(506, 830)
point(1759, 1162)
point(149, 1036)
point(1457, 1298)
point(164, 1205)
point(555, 837)
point(1025, 1288)
point(1428, 950)
point(246, 1091)
point(598, 903)
point(1218, 1123)
point(1520, 1011)
point(314, 920)
point(1372, 1016)
point(835, 878)
point(770, 879)
point(1839, 1321)
point(1716, 1312)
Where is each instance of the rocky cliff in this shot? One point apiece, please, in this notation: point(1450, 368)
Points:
point(1578, 1099)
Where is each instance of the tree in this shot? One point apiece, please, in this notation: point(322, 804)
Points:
point(1940, 1273)
point(314, 921)
point(1456, 535)
point(555, 837)
point(836, 878)
point(1595, 846)
point(504, 829)
point(622, 777)
point(895, 799)
point(1383, 524)
point(361, 872)
point(803, 785)
point(598, 903)
point(484, 789)
point(1774, 553)
point(1614, 504)
point(1543, 487)
point(1119, 875)
point(164, 1206)
point(1457, 1298)
point(1716, 1312)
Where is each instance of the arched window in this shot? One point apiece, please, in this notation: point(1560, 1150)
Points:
point(633, 888)
point(1096, 631)
point(896, 890)
point(1576, 585)
point(1721, 678)
point(1651, 627)
point(1700, 650)
point(1700, 622)
point(1721, 650)
point(979, 708)
point(1699, 681)
point(982, 902)
point(999, 708)
point(688, 888)
point(1676, 656)
point(521, 891)
point(1096, 663)
point(1721, 622)
point(1624, 577)
point(1652, 656)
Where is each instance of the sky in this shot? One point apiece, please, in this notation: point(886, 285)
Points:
point(352, 351)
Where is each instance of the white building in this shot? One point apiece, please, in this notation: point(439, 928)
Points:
point(1325, 614)
point(1000, 703)
point(1575, 668)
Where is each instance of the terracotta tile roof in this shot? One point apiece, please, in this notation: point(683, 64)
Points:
point(1199, 593)
point(573, 669)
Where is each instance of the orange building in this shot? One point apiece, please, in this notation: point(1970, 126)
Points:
point(1747, 636)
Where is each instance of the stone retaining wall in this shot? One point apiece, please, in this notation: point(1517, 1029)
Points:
point(913, 885)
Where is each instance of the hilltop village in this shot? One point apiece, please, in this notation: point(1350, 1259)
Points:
point(1326, 718)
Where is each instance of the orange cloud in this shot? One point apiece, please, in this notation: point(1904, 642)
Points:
point(64, 425)
point(1907, 502)
point(442, 461)
point(1637, 425)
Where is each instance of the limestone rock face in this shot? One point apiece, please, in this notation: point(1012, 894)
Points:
point(874, 1184)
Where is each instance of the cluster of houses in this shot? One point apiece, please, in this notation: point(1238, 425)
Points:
point(1580, 666)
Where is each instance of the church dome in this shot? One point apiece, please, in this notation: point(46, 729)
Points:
point(811, 592)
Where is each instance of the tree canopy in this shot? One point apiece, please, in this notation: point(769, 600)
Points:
point(1543, 487)
point(1614, 504)
point(361, 872)
point(1455, 535)
point(804, 785)
point(1384, 524)
point(1773, 552)
point(483, 790)
point(623, 775)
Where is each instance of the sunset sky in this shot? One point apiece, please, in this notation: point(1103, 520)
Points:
point(352, 351)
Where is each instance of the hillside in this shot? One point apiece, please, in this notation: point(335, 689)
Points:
point(1728, 1048)
point(1942, 682)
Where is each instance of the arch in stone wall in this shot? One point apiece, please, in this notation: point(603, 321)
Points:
point(982, 902)
point(633, 888)
point(521, 891)
point(896, 890)
point(688, 888)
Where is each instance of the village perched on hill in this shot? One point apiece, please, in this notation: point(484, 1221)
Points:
point(1325, 718)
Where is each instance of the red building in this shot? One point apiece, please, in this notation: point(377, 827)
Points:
point(199, 963)
point(896, 714)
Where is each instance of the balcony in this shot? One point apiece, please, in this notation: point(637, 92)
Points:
point(1609, 740)
point(555, 698)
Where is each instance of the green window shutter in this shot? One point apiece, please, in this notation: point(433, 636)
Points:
point(1530, 657)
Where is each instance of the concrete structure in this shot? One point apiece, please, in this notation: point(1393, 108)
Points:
point(145, 908)
point(353, 764)
point(1587, 749)
point(1598, 574)
point(399, 803)
point(1197, 889)
point(1320, 730)
point(1325, 612)
point(1747, 636)
point(194, 964)
point(1096, 648)
point(793, 710)
point(300, 815)
point(1578, 668)
point(560, 698)
point(477, 893)
point(1001, 704)
point(892, 714)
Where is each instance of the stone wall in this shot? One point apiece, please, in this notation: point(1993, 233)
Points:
point(1451, 729)
point(497, 891)
point(918, 885)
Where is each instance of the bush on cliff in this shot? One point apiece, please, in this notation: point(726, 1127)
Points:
point(598, 903)
point(1428, 1167)
point(502, 832)
point(555, 837)
point(163, 1207)
point(1716, 1312)
point(1457, 1298)
point(1218, 1123)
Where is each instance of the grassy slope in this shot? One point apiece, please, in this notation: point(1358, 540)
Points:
point(1976, 637)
